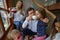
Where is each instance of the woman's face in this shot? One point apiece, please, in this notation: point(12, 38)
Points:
point(38, 14)
point(57, 26)
point(19, 4)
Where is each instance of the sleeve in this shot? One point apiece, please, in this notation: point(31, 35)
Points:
point(26, 22)
point(48, 38)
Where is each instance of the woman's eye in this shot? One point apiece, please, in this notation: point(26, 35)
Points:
point(58, 27)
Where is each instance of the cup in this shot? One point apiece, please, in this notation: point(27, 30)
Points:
point(34, 17)
point(14, 10)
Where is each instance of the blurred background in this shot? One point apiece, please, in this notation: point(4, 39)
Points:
point(52, 5)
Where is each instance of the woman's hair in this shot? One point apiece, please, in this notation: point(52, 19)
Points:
point(21, 5)
point(42, 12)
point(14, 32)
point(29, 9)
point(53, 29)
point(21, 8)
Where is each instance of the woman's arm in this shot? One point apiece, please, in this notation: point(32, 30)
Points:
point(47, 11)
point(41, 6)
point(11, 15)
point(38, 4)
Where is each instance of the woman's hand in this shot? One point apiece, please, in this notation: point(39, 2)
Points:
point(46, 20)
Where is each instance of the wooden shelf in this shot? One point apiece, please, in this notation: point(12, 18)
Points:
point(54, 7)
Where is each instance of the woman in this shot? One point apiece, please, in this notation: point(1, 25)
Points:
point(55, 30)
point(41, 25)
point(18, 14)
point(16, 35)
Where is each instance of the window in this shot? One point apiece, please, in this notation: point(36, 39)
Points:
point(3, 13)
